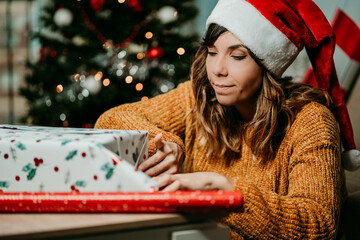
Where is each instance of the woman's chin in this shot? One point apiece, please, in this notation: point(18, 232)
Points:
point(225, 101)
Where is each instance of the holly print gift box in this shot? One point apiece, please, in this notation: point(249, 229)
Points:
point(50, 159)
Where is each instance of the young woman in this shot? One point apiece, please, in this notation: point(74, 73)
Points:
point(238, 125)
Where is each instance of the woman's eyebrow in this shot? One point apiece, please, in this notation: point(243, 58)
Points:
point(232, 47)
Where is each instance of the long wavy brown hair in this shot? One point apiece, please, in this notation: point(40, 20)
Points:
point(222, 128)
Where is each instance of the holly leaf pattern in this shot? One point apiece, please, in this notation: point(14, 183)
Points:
point(105, 167)
point(65, 142)
point(136, 155)
point(71, 155)
point(80, 184)
point(108, 169)
point(109, 173)
point(28, 167)
point(99, 145)
point(4, 184)
point(20, 146)
point(31, 174)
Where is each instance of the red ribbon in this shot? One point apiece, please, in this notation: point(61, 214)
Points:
point(165, 202)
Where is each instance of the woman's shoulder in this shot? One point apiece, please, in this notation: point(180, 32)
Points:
point(316, 111)
point(315, 118)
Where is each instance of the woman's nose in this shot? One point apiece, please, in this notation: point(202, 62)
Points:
point(220, 68)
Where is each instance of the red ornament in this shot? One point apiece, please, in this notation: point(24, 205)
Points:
point(154, 53)
point(43, 54)
point(97, 4)
point(134, 5)
point(53, 53)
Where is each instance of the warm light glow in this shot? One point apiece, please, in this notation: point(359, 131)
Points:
point(77, 77)
point(98, 76)
point(149, 35)
point(59, 88)
point(140, 56)
point(106, 82)
point(139, 87)
point(180, 51)
point(129, 79)
point(121, 1)
point(144, 98)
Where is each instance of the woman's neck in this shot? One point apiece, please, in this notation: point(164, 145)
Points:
point(247, 110)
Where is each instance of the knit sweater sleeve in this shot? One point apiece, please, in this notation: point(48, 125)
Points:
point(310, 207)
point(162, 114)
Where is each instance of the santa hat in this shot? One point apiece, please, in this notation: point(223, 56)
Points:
point(276, 31)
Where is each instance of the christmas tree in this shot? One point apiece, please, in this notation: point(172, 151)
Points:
point(98, 54)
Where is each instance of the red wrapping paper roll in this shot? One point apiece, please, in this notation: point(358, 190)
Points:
point(117, 202)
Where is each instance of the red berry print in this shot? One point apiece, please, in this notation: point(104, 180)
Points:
point(73, 187)
point(126, 151)
point(38, 161)
point(121, 138)
point(144, 156)
point(83, 154)
point(38, 141)
point(13, 140)
point(17, 178)
point(95, 177)
point(132, 143)
point(6, 156)
point(114, 137)
point(116, 161)
point(56, 169)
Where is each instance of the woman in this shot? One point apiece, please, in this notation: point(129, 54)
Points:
point(239, 126)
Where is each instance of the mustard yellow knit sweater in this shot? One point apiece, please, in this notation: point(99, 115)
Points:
point(295, 196)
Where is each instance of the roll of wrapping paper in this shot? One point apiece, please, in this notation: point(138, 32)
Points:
point(118, 202)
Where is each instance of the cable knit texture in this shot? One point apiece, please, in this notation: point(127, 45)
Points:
point(295, 196)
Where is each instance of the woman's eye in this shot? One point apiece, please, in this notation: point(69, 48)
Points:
point(239, 57)
point(211, 53)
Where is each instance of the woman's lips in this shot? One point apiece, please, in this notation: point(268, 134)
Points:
point(222, 88)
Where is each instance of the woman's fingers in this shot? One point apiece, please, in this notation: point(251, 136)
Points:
point(167, 165)
point(163, 180)
point(174, 186)
point(194, 181)
point(157, 157)
point(159, 144)
point(151, 161)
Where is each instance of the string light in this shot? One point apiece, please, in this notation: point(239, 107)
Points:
point(140, 56)
point(149, 35)
point(144, 98)
point(119, 72)
point(180, 51)
point(62, 117)
point(129, 79)
point(121, 1)
point(139, 87)
point(59, 88)
point(106, 82)
point(77, 77)
point(98, 76)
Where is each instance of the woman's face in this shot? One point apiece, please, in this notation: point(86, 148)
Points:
point(232, 72)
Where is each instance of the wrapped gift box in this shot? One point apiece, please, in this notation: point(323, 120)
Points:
point(50, 159)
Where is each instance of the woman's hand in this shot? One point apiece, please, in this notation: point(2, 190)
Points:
point(168, 159)
point(194, 181)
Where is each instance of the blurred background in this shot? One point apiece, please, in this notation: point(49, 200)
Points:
point(64, 62)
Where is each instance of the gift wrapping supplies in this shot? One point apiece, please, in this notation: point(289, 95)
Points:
point(50, 169)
